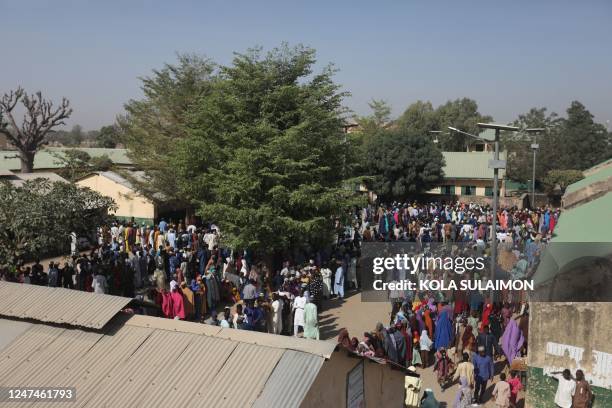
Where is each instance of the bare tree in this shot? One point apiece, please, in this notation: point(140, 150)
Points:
point(40, 117)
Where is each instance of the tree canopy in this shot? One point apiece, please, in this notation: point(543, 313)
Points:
point(257, 145)
point(38, 217)
point(404, 162)
point(574, 142)
point(421, 117)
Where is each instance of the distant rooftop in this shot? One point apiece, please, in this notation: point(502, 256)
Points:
point(45, 159)
point(469, 165)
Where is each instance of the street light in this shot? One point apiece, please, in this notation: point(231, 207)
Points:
point(534, 146)
point(495, 164)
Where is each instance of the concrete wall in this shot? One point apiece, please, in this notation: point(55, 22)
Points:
point(480, 185)
point(384, 387)
point(130, 204)
point(573, 336)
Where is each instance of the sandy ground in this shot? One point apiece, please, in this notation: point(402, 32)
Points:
point(358, 317)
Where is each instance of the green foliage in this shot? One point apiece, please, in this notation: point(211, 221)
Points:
point(38, 217)
point(572, 143)
point(77, 163)
point(562, 178)
point(107, 136)
point(154, 125)
point(584, 142)
point(380, 117)
point(461, 114)
point(421, 117)
point(404, 163)
point(258, 146)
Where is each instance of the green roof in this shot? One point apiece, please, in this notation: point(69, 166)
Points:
point(45, 159)
point(469, 165)
point(600, 175)
point(583, 231)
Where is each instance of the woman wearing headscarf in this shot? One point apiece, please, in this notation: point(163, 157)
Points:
point(428, 400)
point(468, 340)
point(311, 324)
point(512, 341)
point(464, 395)
point(178, 305)
point(444, 332)
point(485, 315)
point(425, 346)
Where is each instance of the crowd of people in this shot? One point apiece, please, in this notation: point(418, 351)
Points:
point(462, 346)
point(184, 272)
point(462, 334)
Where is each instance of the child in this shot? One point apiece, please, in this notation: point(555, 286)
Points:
point(515, 387)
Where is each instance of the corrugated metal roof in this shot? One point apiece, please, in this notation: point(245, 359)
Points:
point(123, 385)
point(59, 305)
point(143, 361)
point(204, 357)
point(88, 373)
point(469, 165)
point(317, 347)
point(12, 329)
point(254, 364)
point(295, 371)
point(45, 159)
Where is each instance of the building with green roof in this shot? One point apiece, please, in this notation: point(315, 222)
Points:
point(571, 305)
point(468, 174)
point(46, 160)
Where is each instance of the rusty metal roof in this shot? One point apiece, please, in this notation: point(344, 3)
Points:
point(144, 361)
point(284, 378)
point(59, 305)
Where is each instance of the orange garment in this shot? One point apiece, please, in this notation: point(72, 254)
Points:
point(428, 323)
point(189, 303)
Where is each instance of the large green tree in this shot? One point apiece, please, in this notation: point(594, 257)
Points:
point(421, 117)
point(575, 142)
point(585, 143)
point(155, 124)
point(404, 163)
point(261, 150)
point(518, 145)
point(462, 114)
point(38, 217)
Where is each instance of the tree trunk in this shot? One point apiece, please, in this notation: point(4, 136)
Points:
point(27, 161)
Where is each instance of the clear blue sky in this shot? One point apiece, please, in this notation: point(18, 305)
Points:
point(508, 55)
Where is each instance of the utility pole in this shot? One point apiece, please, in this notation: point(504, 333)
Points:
point(496, 165)
point(534, 146)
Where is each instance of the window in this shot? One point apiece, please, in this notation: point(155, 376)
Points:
point(448, 190)
point(468, 190)
point(489, 192)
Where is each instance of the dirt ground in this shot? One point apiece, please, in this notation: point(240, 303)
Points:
point(358, 317)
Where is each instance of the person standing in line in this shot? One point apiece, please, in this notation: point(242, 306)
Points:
point(299, 303)
point(277, 314)
point(339, 282)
